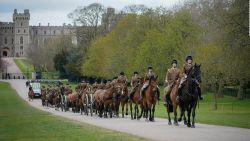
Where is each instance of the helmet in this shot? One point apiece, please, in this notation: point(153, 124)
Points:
point(189, 58)
point(174, 62)
point(150, 67)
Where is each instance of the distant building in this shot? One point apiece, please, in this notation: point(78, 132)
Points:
point(18, 35)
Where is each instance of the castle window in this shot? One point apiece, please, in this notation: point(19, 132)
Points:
point(18, 31)
point(54, 32)
point(36, 32)
point(21, 47)
point(21, 40)
point(44, 31)
point(5, 40)
point(5, 31)
point(21, 24)
point(24, 31)
point(12, 41)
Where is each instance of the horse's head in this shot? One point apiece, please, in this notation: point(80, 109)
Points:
point(195, 72)
point(153, 82)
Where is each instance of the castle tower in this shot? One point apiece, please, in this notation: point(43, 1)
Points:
point(21, 32)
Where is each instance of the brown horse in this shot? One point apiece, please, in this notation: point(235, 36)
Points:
point(43, 97)
point(31, 94)
point(174, 104)
point(123, 98)
point(103, 100)
point(136, 100)
point(149, 99)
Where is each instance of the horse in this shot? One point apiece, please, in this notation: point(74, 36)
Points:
point(43, 97)
point(123, 98)
point(135, 98)
point(173, 105)
point(149, 99)
point(189, 94)
point(31, 94)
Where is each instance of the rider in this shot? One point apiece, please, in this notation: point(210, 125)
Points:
point(135, 81)
point(172, 77)
point(122, 79)
point(185, 70)
point(147, 77)
point(108, 84)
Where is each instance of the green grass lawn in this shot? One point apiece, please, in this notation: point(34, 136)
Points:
point(24, 67)
point(19, 121)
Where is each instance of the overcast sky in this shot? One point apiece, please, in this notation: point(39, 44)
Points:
point(55, 11)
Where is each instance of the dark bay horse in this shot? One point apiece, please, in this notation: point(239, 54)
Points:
point(149, 99)
point(189, 94)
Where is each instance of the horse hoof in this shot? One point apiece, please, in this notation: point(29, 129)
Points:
point(192, 126)
point(188, 125)
point(185, 122)
point(169, 123)
point(179, 119)
point(176, 123)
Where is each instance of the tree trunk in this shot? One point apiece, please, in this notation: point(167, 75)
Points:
point(215, 102)
point(241, 91)
point(220, 92)
point(215, 98)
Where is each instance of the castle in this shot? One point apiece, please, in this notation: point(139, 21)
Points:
point(17, 36)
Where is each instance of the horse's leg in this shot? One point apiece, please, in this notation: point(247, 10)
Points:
point(193, 116)
point(175, 115)
point(136, 111)
point(189, 113)
point(105, 111)
point(150, 113)
point(169, 118)
point(122, 104)
point(142, 112)
point(184, 117)
point(126, 107)
point(110, 110)
point(181, 115)
point(131, 110)
point(153, 113)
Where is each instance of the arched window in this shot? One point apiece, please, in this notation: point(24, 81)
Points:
point(21, 40)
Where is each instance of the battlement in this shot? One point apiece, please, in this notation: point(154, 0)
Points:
point(21, 16)
point(6, 24)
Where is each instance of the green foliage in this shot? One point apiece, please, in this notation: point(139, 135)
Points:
point(141, 40)
point(60, 61)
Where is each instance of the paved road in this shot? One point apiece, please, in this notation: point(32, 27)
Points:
point(158, 130)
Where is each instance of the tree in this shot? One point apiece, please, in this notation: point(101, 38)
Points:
point(89, 18)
